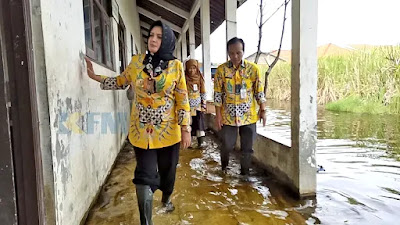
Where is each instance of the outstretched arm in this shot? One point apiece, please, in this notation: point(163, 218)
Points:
point(109, 83)
point(90, 71)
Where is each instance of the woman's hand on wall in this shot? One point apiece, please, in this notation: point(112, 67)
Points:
point(90, 70)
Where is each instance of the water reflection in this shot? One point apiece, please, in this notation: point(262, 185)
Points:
point(203, 195)
point(360, 155)
point(360, 184)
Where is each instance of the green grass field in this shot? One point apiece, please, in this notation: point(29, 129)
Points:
point(363, 81)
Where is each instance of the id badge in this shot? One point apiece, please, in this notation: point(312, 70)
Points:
point(195, 87)
point(243, 93)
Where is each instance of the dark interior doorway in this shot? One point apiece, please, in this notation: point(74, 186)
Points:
point(19, 134)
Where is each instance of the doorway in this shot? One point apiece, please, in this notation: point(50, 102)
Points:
point(19, 133)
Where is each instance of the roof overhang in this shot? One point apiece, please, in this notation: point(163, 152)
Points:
point(176, 14)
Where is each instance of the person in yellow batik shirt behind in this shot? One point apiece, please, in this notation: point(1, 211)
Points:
point(237, 90)
point(197, 98)
point(160, 116)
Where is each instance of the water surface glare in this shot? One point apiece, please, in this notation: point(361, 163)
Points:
point(360, 155)
point(360, 184)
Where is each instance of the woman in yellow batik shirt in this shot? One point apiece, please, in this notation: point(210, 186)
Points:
point(197, 98)
point(160, 116)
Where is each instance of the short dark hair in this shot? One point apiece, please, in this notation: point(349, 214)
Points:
point(234, 41)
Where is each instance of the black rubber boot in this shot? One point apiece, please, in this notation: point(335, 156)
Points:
point(145, 201)
point(245, 163)
point(224, 161)
point(200, 141)
point(191, 141)
point(167, 204)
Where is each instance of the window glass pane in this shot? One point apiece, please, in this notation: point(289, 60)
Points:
point(98, 33)
point(105, 4)
point(108, 44)
point(88, 27)
point(121, 42)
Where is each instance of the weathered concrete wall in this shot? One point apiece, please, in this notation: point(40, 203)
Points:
point(130, 16)
point(277, 158)
point(84, 139)
point(304, 93)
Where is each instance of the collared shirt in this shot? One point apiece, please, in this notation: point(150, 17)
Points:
point(197, 96)
point(236, 91)
point(155, 117)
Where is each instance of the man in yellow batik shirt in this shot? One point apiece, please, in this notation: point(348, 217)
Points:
point(237, 91)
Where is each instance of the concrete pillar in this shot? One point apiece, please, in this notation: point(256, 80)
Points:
point(205, 38)
point(304, 94)
point(179, 51)
point(184, 46)
point(192, 39)
point(230, 17)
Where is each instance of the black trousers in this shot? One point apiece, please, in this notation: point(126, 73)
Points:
point(229, 134)
point(198, 123)
point(157, 167)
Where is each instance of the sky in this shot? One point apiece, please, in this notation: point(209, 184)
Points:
point(342, 22)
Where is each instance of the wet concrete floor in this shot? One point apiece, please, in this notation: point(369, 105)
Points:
point(203, 195)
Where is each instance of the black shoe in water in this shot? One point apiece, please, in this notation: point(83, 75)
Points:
point(200, 141)
point(169, 207)
point(167, 204)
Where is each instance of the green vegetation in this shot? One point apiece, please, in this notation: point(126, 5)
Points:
point(357, 105)
point(362, 81)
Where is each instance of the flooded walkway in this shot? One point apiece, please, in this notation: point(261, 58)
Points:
point(203, 195)
point(360, 184)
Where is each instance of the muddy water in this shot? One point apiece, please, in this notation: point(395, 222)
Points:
point(203, 195)
point(360, 155)
point(360, 184)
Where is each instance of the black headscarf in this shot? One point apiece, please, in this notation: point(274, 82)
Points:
point(159, 60)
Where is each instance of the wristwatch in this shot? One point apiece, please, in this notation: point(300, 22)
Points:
point(186, 128)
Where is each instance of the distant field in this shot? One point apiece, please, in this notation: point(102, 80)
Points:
point(366, 80)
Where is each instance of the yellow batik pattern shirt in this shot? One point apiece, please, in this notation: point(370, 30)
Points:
point(197, 96)
point(237, 91)
point(155, 117)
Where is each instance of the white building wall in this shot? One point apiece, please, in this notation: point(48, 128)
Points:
point(81, 161)
point(130, 16)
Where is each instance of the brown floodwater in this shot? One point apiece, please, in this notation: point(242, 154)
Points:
point(360, 154)
point(360, 184)
point(203, 195)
